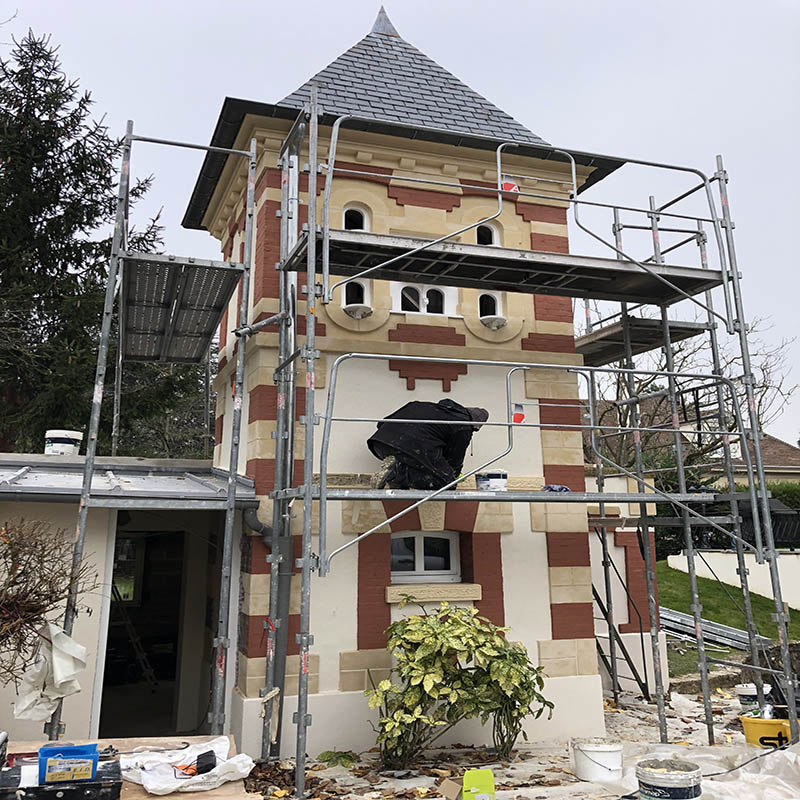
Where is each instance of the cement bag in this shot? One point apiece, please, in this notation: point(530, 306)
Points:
point(156, 772)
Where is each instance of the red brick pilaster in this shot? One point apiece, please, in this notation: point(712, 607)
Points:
point(487, 570)
point(374, 575)
point(635, 579)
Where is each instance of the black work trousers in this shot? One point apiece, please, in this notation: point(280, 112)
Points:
point(410, 474)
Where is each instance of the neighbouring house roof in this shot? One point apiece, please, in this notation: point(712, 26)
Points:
point(777, 455)
point(139, 483)
point(402, 92)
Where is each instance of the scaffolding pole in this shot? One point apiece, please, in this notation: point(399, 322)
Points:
point(280, 559)
point(306, 562)
point(649, 569)
point(603, 535)
point(221, 642)
point(722, 424)
point(781, 616)
point(54, 727)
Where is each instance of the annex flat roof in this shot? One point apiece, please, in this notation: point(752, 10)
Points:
point(504, 269)
point(132, 483)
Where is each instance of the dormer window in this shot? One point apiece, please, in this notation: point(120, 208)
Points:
point(485, 235)
point(435, 301)
point(409, 299)
point(354, 293)
point(355, 218)
point(418, 298)
point(487, 305)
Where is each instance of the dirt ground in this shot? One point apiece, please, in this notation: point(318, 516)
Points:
point(538, 771)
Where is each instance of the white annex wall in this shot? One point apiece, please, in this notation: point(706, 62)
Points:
point(725, 565)
point(99, 536)
point(576, 714)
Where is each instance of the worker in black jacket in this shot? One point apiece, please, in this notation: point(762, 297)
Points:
point(426, 455)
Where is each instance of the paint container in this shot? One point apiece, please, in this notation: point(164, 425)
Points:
point(746, 692)
point(596, 760)
point(765, 732)
point(677, 780)
point(492, 481)
point(62, 443)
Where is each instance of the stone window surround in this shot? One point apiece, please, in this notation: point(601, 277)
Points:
point(434, 592)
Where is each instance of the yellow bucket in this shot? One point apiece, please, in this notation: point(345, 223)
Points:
point(765, 732)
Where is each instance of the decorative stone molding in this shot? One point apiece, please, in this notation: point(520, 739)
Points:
point(561, 658)
point(251, 672)
point(357, 667)
point(435, 592)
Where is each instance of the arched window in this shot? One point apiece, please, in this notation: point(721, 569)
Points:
point(487, 305)
point(354, 220)
point(409, 299)
point(435, 301)
point(485, 235)
point(354, 293)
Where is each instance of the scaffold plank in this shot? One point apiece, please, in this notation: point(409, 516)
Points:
point(452, 263)
point(606, 345)
point(171, 307)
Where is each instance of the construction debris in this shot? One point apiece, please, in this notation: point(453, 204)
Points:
point(545, 771)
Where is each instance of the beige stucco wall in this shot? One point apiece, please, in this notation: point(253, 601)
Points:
point(80, 710)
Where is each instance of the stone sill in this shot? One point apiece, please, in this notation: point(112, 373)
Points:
point(435, 592)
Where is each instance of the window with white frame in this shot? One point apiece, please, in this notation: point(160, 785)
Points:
point(424, 299)
point(355, 218)
point(425, 557)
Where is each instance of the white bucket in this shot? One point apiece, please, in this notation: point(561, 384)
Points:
point(746, 692)
point(62, 443)
point(678, 780)
point(492, 481)
point(597, 761)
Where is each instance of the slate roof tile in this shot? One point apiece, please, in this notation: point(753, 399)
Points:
point(385, 77)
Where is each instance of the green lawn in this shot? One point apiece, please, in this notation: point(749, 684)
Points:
point(673, 592)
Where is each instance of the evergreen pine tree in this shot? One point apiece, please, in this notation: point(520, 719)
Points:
point(57, 200)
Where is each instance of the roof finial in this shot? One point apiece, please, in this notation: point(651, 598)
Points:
point(384, 25)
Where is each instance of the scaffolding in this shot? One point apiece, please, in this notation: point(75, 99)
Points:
point(169, 307)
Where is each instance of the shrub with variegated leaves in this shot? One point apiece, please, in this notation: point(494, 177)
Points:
point(451, 665)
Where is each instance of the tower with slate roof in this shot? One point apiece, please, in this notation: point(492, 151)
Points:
point(416, 163)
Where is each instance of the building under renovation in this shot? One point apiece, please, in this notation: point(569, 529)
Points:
point(388, 234)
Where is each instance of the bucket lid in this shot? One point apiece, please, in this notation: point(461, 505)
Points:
point(667, 767)
point(57, 433)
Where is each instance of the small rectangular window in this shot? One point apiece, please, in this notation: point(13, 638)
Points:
point(418, 557)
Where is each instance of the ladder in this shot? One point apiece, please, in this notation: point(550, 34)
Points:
point(625, 657)
point(136, 641)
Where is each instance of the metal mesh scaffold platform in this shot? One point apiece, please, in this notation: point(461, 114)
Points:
point(606, 345)
point(171, 307)
point(452, 263)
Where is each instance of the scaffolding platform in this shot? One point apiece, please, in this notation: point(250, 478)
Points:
point(476, 266)
point(171, 306)
point(606, 345)
point(510, 496)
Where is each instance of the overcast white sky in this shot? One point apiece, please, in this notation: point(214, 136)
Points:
point(676, 82)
